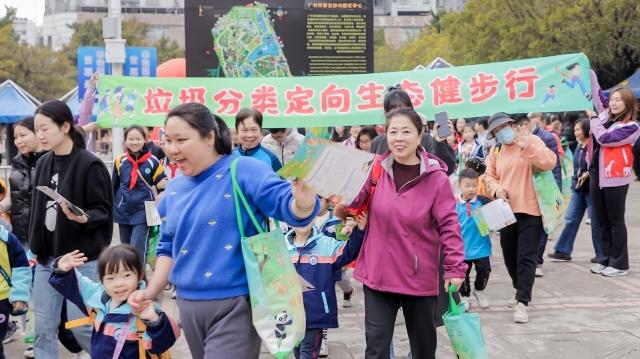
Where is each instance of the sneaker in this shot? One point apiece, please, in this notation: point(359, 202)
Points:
point(466, 301)
point(512, 301)
point(521, 315)
point(539, 272)
point(587, 221)
point(324, 349)
point(13, 332)
point(559, 256)
point(28, 353)
point(598, 268)
point(595, 260)
point(346, 303)
point(613, 272)
point(483, 301)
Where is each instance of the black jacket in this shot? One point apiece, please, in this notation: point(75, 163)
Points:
point(20, 182)
point(86, 184)
point(442, 150)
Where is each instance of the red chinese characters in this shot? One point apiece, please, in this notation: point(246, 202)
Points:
point(371, 96)
point(158, 101)
point(334, 98)
point(416, 93)
point(526, 75)
point(483, 87)
point(265, 100)
point(299, 100)
point(446, 91)
point(192, 94)
point(229, 101)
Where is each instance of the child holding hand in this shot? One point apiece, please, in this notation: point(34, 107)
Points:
point(121, 273)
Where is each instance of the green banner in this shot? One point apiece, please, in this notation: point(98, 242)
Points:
point(549, 84)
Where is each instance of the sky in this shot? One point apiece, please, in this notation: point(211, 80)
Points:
point(31, 9)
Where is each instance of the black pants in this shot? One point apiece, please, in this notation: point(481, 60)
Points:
point(483, 269)
point(609, 206)
point(380, 310)
point(519, 243)
point(5, 311)
point(542, 246)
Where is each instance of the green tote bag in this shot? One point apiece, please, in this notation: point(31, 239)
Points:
point(274, 287)
point(464, 331)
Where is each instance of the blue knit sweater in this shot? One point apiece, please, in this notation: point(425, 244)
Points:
point(200, 231)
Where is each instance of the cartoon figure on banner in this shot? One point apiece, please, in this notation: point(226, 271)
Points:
point(129, 109)
point(551, 94)
point(572, 78)
point(116, 103)
point(103, 103)
point(283, 320)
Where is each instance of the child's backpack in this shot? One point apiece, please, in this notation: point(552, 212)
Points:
point(140, 329)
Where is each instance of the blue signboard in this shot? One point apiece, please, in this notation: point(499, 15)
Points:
point(140, 61)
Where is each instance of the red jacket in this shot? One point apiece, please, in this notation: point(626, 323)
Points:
point(407, 230)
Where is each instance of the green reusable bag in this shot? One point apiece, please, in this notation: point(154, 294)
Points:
point(152, 245)
point(567, 177)
point(549, 199)
point(464, 331)
point(274, 287)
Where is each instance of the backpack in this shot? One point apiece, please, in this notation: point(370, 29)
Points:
point(376, 172)
point(140, 329)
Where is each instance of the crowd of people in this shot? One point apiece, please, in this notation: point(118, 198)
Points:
point(414, 217)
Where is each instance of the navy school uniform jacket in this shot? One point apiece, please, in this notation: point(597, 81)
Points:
point(128, 205)
point(320, 263)
point(109, 323)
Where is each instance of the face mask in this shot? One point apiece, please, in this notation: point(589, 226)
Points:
point(506, 136)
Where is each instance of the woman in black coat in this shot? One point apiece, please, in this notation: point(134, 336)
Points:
point(23, 168)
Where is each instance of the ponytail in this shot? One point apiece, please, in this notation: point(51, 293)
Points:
point(223, 136)
point(77, 136)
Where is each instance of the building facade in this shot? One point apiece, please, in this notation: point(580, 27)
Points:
point(26, 30)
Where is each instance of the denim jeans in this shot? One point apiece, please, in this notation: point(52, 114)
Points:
point(580, 202)
point(48, 304)
point(137, 235)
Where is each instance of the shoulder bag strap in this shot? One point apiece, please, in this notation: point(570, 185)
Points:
point(154, 191)
point(237, 194)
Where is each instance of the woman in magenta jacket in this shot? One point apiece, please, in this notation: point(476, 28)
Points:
point(411, 215)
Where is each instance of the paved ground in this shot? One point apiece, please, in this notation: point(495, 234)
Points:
point(574, 313)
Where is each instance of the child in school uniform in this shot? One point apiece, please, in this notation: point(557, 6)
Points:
point(477, 248)
point(319, 260)
point(15, 280)
point(121, 273)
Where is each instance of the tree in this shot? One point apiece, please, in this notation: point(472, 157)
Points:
point(45, 73)
point(167, 49)
point(500, 30)
point(89, 33)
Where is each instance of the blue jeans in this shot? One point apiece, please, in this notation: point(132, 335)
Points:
point(136, 235)
point(573, 217)
point(310, 346)
point(576, 80)
point(48, 304)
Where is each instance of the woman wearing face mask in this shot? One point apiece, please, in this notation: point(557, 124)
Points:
point(137, 176)
point(413, 207)
point(249, 129)
point(23, 168)
point(610, 161)
point(509, 176)
point(199, 248)
point(54, 229)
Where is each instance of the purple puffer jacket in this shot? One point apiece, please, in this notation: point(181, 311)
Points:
point(618, 134)
point(407, 229)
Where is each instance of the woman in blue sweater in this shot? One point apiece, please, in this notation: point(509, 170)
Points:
point(199, 249)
